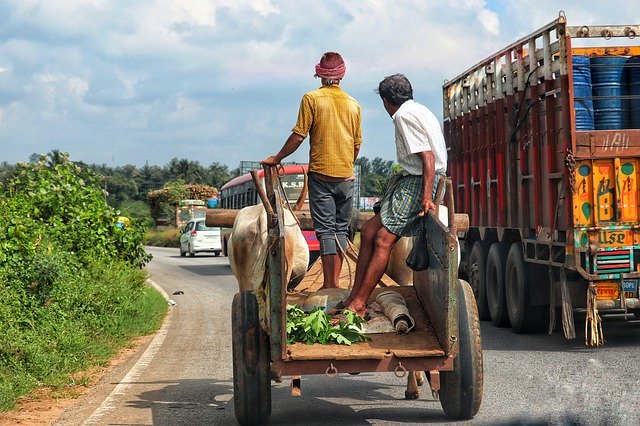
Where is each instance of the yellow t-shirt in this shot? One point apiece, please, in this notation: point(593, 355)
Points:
point(332, 120)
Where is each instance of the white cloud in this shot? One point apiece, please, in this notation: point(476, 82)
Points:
point(156, 76)
point(490, 21)
point(186, 111)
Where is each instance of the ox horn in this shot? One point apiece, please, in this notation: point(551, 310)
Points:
point(263, 195)
point(303, 193)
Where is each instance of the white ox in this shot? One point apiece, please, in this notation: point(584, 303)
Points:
point(398, 270)
point(248, 248)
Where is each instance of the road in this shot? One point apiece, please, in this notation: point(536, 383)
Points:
point(184, 377)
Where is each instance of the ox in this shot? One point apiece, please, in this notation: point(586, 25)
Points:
point(248, 244)
point(398, 270)
point(248, 248)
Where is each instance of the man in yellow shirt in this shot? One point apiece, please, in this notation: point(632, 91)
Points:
point(332, 120)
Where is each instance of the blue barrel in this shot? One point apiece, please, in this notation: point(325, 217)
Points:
point(634, 90)
point(610, 89)
point(583, 104)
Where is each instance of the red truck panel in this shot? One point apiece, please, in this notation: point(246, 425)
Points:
point(509, 123)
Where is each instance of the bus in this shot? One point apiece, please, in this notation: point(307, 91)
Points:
point(240, 192)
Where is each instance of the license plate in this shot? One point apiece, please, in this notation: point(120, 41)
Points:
point(608, 290)
point(630, 289)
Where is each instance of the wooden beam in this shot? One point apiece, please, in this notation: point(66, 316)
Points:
point(224, 218)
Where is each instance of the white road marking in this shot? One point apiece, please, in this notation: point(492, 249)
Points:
point(136, 371)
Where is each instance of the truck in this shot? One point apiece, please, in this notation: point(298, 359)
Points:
point(544, 149)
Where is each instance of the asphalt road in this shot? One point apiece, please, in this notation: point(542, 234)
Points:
point(184, 376)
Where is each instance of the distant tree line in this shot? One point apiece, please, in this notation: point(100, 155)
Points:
point(373, 175)
point(128, 186)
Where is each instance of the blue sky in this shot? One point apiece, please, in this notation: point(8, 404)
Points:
point(120, 82)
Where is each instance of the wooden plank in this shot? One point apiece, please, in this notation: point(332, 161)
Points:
point(224, 218)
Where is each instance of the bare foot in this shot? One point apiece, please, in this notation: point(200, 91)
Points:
point(360, 310)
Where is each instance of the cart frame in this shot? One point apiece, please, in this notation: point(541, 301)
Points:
point(438, 289)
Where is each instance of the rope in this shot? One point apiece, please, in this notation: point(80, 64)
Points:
point(593, 325)
point(345, 258)
point(552, 302)
point(568, 324)
point(283, 200)
point(284, 196)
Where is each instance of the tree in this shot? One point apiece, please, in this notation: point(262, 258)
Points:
point(365, 165)
point(381, 167)
point(148, 179)
point(218, 175)
point(186, 170)
point(373, 175)
point(120, 189)
point(7, 171)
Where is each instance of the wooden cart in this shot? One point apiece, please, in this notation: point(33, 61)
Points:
point(445, 342)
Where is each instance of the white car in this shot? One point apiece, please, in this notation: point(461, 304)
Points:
point(197, 237)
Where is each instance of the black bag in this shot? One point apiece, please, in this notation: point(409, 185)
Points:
point(418, 258)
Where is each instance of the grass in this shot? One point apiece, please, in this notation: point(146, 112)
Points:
point(169, 237)
point(83, 321)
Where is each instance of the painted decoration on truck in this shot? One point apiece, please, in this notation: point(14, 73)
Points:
point(627, 190)
point(604, 191)
point(582, 206)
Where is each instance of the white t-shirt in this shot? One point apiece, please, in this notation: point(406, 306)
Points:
point(418, 130)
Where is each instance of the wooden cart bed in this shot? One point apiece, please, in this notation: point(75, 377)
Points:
point(419, 342)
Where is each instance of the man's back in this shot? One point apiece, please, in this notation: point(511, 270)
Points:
point(332, 119)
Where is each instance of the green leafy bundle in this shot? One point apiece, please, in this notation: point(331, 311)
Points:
point(316, 327)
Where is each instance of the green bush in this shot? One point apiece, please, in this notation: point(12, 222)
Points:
point(73, 291)
point(63, 202)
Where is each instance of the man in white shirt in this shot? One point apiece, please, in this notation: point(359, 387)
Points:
point(422, 155)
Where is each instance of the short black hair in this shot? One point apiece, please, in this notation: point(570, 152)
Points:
point(395, 89)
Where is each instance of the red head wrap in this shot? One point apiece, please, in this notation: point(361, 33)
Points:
point(331, 66)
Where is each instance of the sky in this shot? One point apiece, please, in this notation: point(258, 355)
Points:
point(116, 82)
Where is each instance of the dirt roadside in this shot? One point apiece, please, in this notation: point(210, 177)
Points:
point(45, 406)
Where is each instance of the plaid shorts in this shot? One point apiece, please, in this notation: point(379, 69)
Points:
point(401, 204)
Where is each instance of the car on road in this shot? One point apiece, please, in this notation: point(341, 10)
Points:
point(197, 237)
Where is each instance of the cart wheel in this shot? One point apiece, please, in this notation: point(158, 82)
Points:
point(477, 277)
point(461, 389)
point(251, 375)
point(495, 284)
point(524, 317)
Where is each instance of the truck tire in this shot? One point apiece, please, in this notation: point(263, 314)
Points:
point(461, 389)
point(476, 271)
point(251, 362)
point(496, 299)
point(524, 317)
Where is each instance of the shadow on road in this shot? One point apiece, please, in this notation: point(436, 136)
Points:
point(208, 270)
point(345, 400)
point(617, 334)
